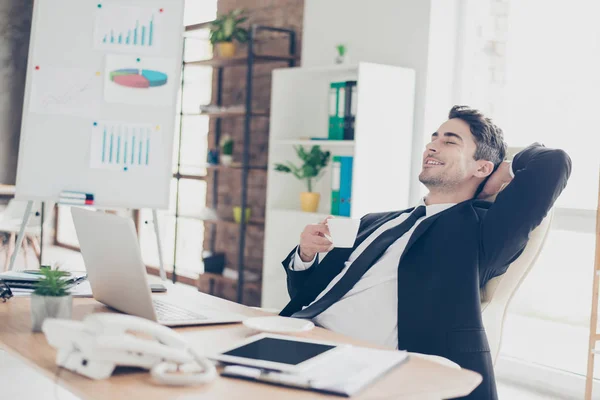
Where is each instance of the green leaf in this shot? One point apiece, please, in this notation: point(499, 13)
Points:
point(241, 35)
point(228, 27)
point(282, 168)
point(310, 171)
point(313, 165)
point(53, 283)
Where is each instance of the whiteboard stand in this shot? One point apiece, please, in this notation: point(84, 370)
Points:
point(163, 274)
point(21, 234)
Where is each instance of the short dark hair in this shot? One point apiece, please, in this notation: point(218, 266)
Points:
point(488, 137)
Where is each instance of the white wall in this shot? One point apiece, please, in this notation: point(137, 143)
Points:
point(441, 83)
point(397, 32)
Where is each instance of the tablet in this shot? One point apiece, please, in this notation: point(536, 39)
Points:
point(277, 352)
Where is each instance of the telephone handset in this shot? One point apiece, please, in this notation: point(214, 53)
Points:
point(95, 346)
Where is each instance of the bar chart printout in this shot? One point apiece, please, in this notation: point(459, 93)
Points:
point(127, 28)
point(123, 147)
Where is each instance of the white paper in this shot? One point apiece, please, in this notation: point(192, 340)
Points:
point(71, 91)
point(82, 289)
point(120, 146)
point(128, 29)
point(118, 92)
point(352, 369)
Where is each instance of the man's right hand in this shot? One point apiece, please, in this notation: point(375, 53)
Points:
point(313, 240)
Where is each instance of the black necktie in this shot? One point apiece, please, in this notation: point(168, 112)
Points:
point(361, 265)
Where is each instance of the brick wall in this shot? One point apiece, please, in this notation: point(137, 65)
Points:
point(279, 13)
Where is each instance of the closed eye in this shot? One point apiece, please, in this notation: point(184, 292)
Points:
point(450, 143)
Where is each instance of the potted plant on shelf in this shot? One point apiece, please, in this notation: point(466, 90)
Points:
point(226, 155)
point(50, 299)
point(311, 171)
point(225, 29)
point(340, 57)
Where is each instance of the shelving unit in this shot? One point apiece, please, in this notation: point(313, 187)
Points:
point(303, 142)
point(381, 151)
point(247, 112)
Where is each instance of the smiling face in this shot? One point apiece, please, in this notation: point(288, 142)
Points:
point(449, 159)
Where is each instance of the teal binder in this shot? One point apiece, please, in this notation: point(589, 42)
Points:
point(346, 185)
point(336, 110)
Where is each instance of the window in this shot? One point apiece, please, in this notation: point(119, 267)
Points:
point(547, 93)
point(190, 190)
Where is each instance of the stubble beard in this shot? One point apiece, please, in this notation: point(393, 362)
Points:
point(439, 183)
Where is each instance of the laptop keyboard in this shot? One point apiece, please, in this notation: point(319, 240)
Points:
point(166, 312)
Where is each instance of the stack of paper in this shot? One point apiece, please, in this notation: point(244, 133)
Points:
point(22, 283)
point(345, 373)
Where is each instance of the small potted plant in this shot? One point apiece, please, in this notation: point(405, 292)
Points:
point(340, 57)
point(312, 169)
point(225, 29)
point(50, 299)
point(226, 155)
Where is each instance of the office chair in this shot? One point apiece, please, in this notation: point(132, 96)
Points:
point(499, 291)
point(497, 294)
point(10, 223)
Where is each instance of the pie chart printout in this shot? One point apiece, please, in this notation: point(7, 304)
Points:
point(140, 79)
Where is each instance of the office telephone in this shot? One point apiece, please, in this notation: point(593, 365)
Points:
point(95, 346)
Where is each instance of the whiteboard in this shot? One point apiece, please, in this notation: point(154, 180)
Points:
point(100, 102)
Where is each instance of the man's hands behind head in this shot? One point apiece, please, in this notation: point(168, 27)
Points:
point(496, 182)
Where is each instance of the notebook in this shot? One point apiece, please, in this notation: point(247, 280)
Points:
point(27, 280)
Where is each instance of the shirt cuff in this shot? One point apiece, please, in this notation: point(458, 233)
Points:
point(510, 169)
point(299, 265)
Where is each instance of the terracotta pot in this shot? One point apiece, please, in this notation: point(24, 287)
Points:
point(309, 201)
point(225, 49)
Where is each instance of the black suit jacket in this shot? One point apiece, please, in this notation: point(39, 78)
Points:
point(449, 257)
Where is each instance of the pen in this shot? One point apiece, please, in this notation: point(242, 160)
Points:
point(267, 376)
point(32, 271)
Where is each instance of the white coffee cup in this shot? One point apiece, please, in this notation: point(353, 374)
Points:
point(343, 231)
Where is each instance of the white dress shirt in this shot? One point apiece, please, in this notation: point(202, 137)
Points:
point(369, 311)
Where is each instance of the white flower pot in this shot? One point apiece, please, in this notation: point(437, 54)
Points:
point(226, 159)
point(43, 307)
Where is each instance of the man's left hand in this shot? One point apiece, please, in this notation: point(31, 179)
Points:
point(497, 181)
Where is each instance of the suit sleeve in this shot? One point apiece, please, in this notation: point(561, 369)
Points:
point(541, 174)
point(297, 278)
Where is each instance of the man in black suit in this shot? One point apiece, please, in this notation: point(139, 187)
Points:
point(412, 279)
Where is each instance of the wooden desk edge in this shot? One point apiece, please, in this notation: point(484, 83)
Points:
point(70, 381)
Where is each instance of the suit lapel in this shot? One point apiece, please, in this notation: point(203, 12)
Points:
point(420, 230)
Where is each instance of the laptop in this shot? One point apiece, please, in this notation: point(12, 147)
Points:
point(117, 274)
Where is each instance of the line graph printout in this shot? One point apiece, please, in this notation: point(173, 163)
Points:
point(71, 91)
point(123, 147)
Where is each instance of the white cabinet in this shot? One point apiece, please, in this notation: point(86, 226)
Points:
point(381, 149)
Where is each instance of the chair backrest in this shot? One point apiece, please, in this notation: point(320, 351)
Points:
point(15, 210)
point(498, 292)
